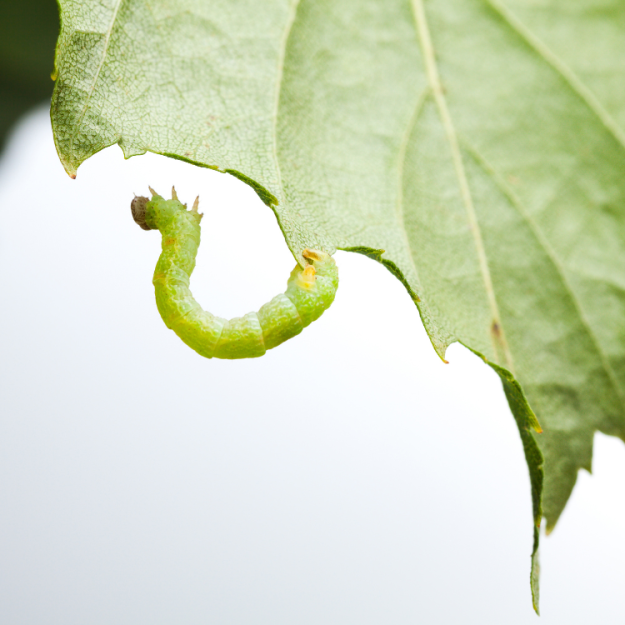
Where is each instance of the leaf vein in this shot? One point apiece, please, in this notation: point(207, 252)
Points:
point(436, 86)
point(403, 148)
point(279, 80)
point(517, 204)
point(569, 76)
point(107, 41)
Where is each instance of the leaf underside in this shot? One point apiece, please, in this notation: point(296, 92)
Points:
point(475, 147)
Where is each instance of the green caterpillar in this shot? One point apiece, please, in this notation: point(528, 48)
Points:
point(310, 291)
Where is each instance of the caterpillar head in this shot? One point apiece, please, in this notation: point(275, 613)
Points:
point(138, 208)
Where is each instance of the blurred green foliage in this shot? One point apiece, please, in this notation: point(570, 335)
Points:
point(29, 32)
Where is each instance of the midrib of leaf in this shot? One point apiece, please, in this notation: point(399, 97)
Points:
point(578, 87)
point(517, 204)
point(434, 81)
point(107, 41)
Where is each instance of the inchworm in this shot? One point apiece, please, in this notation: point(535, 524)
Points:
point(310, 291)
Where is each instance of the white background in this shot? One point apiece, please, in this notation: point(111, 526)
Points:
point(347, 477)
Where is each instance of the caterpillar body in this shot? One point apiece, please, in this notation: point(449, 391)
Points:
point(310, 290)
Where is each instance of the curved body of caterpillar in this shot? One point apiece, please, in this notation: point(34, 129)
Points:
point(309, 292)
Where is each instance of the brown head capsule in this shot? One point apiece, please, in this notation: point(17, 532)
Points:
point(137, 206)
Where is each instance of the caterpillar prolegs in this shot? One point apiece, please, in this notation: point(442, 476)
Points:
point(310, 291)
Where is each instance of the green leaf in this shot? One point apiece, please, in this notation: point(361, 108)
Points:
point(474, 147)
